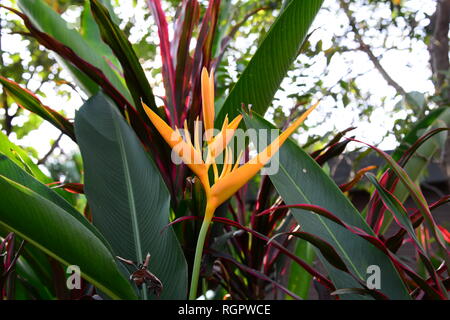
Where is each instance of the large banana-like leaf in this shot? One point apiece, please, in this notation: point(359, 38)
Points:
point(50, 22)
point(18, 167)
point(301, 180)
point(12, 171)
point(267, 68)
point(128, 198)
point(50, 228)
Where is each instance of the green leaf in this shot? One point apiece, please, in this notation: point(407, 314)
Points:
point(12, 171)
point(299, 278)
point(30, 102)
point(418, 197)
point(301, 180)
point(50, 228)
point(416, 100)
point(27, 272)
point(91, 33)
point(21, 158)
point(263, 75)
point(128, 198)
point(396, 208)
point(416, 167)
point(424, 125)
point(327, 250)
point(51, 22)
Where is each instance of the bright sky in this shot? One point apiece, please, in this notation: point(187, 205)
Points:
point(409, 69)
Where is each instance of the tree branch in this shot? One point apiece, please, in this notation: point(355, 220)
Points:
point(227, 39)
point(438, 48)
point(53, 147)
point(365, 48)
point(440, 65)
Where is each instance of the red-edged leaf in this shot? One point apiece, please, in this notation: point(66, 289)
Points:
point(189, 18)
point(134, 75)
point(389, 180)
point(77, 188)
point(333, 151)
point(93, 72)
point(27, 100)
point(397, 209)
point(323, 280)
point(202, 56)
point(401, 217)
point(411, 150)
point(394, 242)
point(445, 233)
point(254, 273)
point(416, 194)
point(358, 176)
point(320, 278)
point(376, 209)
point(180, 219)
point(333, 141)
point(148, 135)
point(168, 71)
point(402, 268)
point(334, 259)
point(325, 248)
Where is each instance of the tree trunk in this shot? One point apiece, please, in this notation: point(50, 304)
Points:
point(440, 64)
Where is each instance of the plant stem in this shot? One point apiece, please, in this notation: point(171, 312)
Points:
point(198, 255)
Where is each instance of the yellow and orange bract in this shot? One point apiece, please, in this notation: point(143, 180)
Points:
point(232, 177)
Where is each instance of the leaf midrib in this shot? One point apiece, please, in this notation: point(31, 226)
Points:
point(323, 223)
point(131, 200)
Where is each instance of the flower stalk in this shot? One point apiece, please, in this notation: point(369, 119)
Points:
point(199, 252)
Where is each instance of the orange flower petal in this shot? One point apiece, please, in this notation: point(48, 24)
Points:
point(219, 143)
point(232, 182)
point(207, 82)
point(191, 157)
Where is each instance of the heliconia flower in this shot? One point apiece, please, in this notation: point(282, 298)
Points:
point(232, 176)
